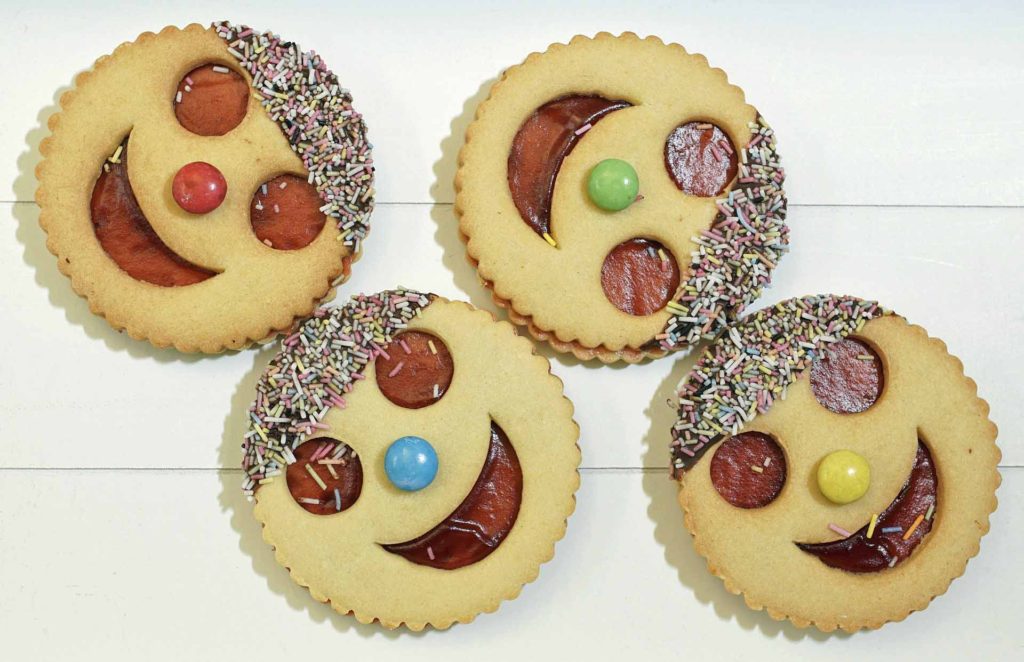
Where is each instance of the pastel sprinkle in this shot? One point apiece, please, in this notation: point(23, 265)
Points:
point(840, 530)
point(314, 369)
point(330, 469)
point(430, 552)
point(892, 529)
point(872, 525)
point(752, 363)
point(931, 511)
point(397, 369)
point(913, 527)
point(316, 477)
point(337, 499)
point(433, 349)
point(734, 258)
point(315, 113)
point(551, 240)
point(757, 469)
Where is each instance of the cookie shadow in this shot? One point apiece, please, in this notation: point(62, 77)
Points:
point(442, 211)
point(671, 534)
point(250, 536)
point(33, 239)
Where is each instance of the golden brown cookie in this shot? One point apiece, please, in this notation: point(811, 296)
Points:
point(620, 197)
point(836, 467)
point(205, 187)
point(413, 462)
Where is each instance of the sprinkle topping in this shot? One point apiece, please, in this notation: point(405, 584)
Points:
point(753, 363)
point(734, 259)
point(301, 94)
point(316, 367)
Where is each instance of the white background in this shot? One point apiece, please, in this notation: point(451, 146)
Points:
point(122, 531)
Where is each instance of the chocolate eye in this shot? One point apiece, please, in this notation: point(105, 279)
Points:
point(415, 370)
point(700, 159)
point(849, 378)
point(285, 213)
point(326, 477)
point(748, 470)
point(211, 100)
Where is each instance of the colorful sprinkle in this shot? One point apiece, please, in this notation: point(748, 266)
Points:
point(872, 525)
point(751, 365)
point(931, 511)
point(892, 529)
point(734, 258)
point(313, 372)
point(913, 527)
point(316, 115)
point(756, 469)
point(316, 477)
point(551, 240)
point(840, 530)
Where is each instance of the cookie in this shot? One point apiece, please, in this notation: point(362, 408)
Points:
point(412, 461)
point(620, 198)
point(836, 467)
point(206, 187)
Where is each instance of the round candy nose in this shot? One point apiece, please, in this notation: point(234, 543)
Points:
point(613, 185)
point(199, 188)
point(410, 463)
point(843, 476)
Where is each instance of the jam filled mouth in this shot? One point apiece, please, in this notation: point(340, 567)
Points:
point(891, 537)
point(481, 522)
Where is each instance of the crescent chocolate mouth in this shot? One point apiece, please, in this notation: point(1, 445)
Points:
point(481, 522)
point(127, 236)
point(898, 530)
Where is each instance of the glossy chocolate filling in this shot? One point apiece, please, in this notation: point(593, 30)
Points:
point(285, 213)
point(483, 519)
point(883, 550)
point(640, 276)
point(541, 144)
point(748, 470)
point(341, 475)
point(849, 377)
point(701, 159)
point(416, 370)
point(126, 235)
point(211, 100)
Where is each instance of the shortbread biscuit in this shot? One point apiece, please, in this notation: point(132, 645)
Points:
point(295, 186)
point(836, 467)
point(353, 383)
point(610, 278)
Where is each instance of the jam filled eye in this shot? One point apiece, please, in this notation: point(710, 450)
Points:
point(700, 158)
point(211, 100)
point(748, 470)
point(639, 276)
point(326, 477)
point(285, 213)
point(849, 378)
point(415, 371)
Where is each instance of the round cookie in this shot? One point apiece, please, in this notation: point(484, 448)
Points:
point(206, 187)
point(412, 461)
point(545, 180)
point(836, 467)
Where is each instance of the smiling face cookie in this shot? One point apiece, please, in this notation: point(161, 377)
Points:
point(620, 197)
point(836, 466)
point(205, 187)
point(412, 461)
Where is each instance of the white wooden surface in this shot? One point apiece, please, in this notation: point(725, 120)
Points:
point(122, 532)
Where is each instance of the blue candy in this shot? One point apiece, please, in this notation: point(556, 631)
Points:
point(411, 463)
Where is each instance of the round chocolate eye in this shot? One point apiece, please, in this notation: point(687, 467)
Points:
point(613, 185)
point(285, 213)
point(199, 188)
point(415, 370)
point(640, 276)
point(326, 477)
point(700, 158)
point(411, 463)
point(748, 470)
point(211, 100)
point(848, 378)
point(843, 476)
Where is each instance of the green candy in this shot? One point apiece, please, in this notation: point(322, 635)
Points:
point(613, 185)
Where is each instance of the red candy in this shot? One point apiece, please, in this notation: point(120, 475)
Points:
point(199, 188)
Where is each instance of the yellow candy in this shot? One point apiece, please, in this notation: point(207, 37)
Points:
point(843, 476)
